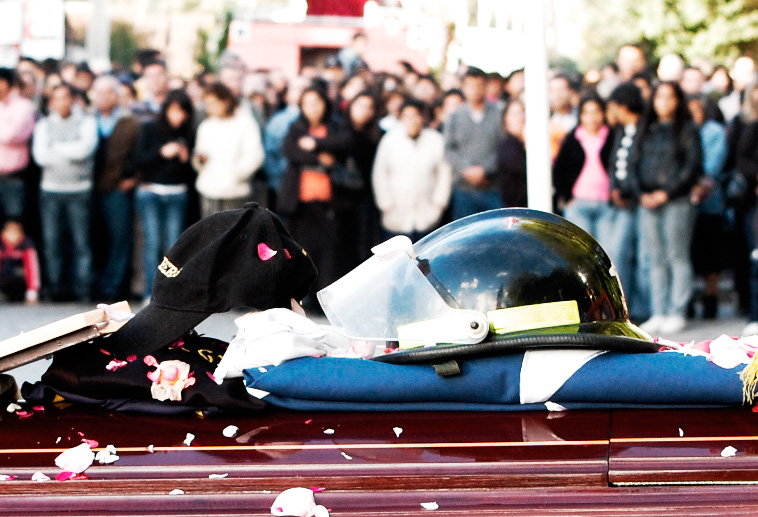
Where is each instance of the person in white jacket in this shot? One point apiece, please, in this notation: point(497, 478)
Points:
point(228, 151)
point(64, 147)
point(411, 179)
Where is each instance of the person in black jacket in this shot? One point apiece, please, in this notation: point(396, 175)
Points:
point(162, 154)
point(669, 165)
point(314, 146)
point(582, 185)
point(511, 156)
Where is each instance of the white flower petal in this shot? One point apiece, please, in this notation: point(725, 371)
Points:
point(430, 506)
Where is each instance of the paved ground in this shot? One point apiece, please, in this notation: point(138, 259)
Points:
point(19, 318)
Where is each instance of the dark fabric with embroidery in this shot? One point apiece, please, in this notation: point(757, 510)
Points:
point(79, 374)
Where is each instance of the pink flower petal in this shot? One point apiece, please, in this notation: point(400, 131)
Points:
point(264, 252)
point(114, 365)
point(209, 374)
point(308, 421)
point(92, 443)
point(287, 253)
point(64, 476)
point(150, 360)
point(4, 477)
point(131, 358)
point(104, 351)
point(24, 414)
point(38, 408)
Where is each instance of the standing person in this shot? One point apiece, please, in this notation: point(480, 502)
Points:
point(64, 146)
point(562, 96)
point(511, 156)
point(162, 155)
point(356, 211)
point(16, 126)
point(275, 163)
point(628, 107)
point(746, 164)
point(582, 185)
point(411, 179)
point(670, 163)
point(314, 145)
point(155, 88)
point(19, 265)
point(471, 137)
point(228, 151)
point(117, 129)
point(710, 225)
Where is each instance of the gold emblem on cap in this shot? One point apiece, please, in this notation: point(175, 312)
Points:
point(167, 269)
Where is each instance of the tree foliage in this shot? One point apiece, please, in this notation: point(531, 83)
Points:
point(719, 30)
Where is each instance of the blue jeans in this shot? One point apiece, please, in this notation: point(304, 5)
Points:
point(666, 237)
point(117, 210)
point(67, 215)
point(467, 202)
point(162, 219)
point(594, 217)
point(12, 196)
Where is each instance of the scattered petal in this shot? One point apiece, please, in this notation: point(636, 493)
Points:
point(107, 455)
point(92, 443)
point(728, 452)
point(131, 358)
point(398, 431)
point(552, 406)
point(13, 407)
point(104, 351)
point(150, 449)
point(24, 414)
point(346, 456)
point(264, 252)
point(310, 420)
point(58, 440)
point(76, 459)
point(210, 375)
point(298, 502)
point(4, 477)
point(217, 476)
point(681, 432)
point(189, 438)
point(262, 369)
point(318, 489)
point(115, 364)
point(231, 431)
point(64, 476)
point(39, 476)
point(287, 253)
point(430, 506)
point(176, 491)
point(38, 408)
point(328, 431)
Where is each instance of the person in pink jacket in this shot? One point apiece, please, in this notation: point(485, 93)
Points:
point(16, 125)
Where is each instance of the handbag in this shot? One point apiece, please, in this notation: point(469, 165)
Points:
point(347, 176)
point(737, 190)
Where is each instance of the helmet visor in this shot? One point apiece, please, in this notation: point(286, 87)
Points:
point(388, 298)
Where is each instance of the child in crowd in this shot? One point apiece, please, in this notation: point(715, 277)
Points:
point(19, 266)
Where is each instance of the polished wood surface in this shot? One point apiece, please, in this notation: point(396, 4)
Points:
point(571, 463)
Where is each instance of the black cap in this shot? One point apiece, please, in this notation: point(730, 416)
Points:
point(235, 258)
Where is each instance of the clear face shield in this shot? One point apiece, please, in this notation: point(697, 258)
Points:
point(388, 298)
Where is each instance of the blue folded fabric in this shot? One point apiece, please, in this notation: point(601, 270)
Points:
point(610, 380)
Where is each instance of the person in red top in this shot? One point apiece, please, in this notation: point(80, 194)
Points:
point(19, 265)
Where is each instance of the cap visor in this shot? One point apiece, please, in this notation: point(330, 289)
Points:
point(152, 328)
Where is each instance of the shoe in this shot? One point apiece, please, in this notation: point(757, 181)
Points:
point(751, 329)
point(673, 325)
point(654, 324)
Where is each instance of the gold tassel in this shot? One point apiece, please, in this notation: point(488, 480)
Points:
point(749, 378)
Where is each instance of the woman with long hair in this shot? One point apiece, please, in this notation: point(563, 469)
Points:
point(669, 165)
point(314, 146)
point(582, 185)
point(162, 154)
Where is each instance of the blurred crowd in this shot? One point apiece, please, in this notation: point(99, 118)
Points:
point(102, 172)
